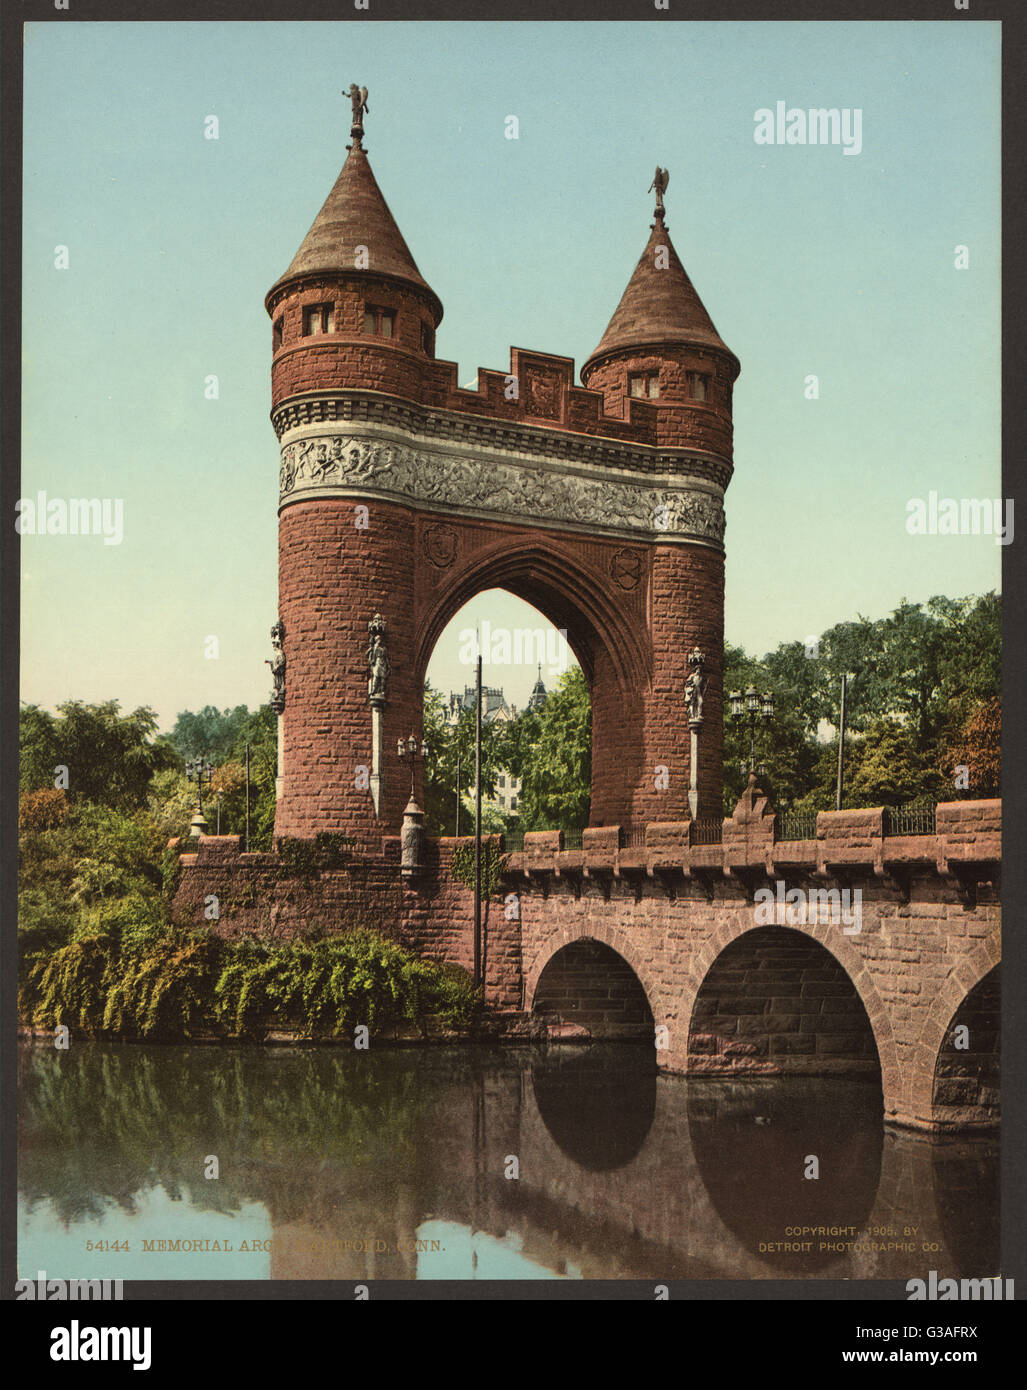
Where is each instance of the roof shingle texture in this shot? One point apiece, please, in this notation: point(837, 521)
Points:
point(354, 214)
point(659, 305)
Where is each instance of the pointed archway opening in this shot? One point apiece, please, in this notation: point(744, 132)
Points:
point(536, 722)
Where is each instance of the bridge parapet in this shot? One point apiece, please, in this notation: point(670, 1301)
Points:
point(967, 842)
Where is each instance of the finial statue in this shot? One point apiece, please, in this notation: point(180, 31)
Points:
point(277, 664)
point(695, 686)
point(358, 97)
point(377, 661)
point(659, 183)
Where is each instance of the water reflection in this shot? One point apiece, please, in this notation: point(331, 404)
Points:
point(758, 1147)
point(598, 1103)
point(396, 1164)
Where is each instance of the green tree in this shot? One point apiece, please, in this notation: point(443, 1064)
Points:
point(110, 757)
point(787, 746)
point(448, 747)
point(550, 750)
point(259, 731)
point(887, 768)
point(208, 733)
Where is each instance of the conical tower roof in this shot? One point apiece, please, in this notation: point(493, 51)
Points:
point(660, 304)
point(354, 214)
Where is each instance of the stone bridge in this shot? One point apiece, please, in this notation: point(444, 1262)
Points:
point(854, 953)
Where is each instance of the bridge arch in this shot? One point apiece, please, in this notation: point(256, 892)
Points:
point(844, 954)
point(615, 941)
point(953, 994)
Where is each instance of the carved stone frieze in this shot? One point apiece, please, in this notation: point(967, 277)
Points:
point(505, 487)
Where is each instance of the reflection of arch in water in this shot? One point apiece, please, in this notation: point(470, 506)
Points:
point(777, 1003)
point(966, 1197)
point(966, 1092)
point(751, 1139)
point(597, 1104)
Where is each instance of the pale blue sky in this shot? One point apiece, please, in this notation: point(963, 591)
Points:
point(809, 261)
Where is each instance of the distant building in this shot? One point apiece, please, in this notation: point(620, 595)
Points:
point(539, 694)
point(496, 710)
point(494, 704)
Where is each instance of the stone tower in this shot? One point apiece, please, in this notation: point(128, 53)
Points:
point(403, 495)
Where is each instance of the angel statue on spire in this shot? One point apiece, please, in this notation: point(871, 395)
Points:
point(659, 183)
point(358, 98)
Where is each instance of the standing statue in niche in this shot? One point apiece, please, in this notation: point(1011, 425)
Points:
point(695, 686)
point(277, 664)
point(377, 661)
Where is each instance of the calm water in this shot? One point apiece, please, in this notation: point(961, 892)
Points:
point(400, 1164)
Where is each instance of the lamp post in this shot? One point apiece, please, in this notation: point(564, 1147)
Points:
point(409, 751)
point(752, 708)
point(412, 837)
point(200, 770)
point(840, 786)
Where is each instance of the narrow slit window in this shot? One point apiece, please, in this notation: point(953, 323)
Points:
point(644, 385)
point(381, 322)
point(317, 318)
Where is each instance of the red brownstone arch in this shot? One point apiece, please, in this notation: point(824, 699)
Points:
point(847, 956)
point(565, 587)
point(547, 944)
point(965, 976)
point(607, 636)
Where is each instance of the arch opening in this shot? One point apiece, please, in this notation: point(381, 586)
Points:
point(536, 722)
point(587, 989)
point(776, 1002)
point(966, 1071)
point(565, 592)
point(598, 1103)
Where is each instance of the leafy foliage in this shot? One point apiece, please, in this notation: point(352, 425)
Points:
point(493, 861)
point(111, 758)
point(166, 983)
point(449, 757)
point(550, 750)
point(915, 677)
point(208, 733)
point(976, 744)
point(44, 809)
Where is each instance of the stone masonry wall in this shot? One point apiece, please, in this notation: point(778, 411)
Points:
point(928, 935)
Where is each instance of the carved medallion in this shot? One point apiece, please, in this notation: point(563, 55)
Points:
point(543, 393)
point(439, 544)
point(626, 568)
